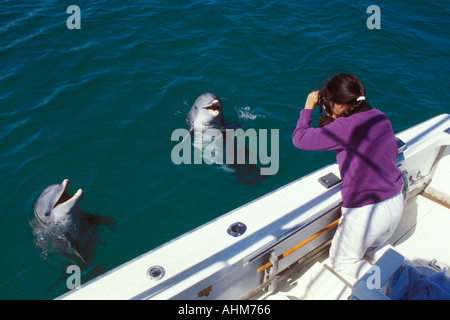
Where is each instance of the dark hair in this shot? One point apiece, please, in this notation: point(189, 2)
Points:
point(345, 89)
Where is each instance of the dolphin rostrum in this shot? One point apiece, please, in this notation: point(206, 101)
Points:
point(62, 226)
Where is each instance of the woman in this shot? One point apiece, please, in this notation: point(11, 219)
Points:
point(366, 153)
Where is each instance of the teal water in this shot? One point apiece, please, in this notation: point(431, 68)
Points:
point(98, 105)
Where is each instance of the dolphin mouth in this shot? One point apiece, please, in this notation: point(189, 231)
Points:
point(213, 108)
point(65, 197)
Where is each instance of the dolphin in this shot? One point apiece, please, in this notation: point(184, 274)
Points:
point(207, 113)
point(62, 226)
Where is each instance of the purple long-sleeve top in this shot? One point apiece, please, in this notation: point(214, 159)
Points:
point(366, 153)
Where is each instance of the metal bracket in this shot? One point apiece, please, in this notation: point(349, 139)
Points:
point(401, 145)
point(269, 274)
point(438, 266)
point(329, 180)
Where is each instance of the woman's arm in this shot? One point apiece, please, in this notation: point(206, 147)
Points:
point(330, 137)
point(312, 100)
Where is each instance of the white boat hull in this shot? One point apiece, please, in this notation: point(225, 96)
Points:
point(212, 262)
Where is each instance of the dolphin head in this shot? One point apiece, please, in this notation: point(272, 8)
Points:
point(207, 111)
point(54, 204)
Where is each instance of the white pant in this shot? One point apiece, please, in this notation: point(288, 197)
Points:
point(364, 230)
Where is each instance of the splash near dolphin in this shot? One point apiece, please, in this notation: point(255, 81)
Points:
point(63, 227)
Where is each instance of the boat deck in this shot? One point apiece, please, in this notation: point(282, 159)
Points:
point(421, 237)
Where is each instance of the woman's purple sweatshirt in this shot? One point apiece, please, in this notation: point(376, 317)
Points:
point(366, 152)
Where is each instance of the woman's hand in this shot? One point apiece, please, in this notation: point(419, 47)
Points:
point(312, 100)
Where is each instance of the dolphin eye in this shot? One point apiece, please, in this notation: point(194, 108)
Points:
point(47, 214)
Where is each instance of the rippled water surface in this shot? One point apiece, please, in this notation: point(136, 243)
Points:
point(98, 106)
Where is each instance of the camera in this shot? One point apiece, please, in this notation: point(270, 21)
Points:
point(323, 101)
point(324, 119)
